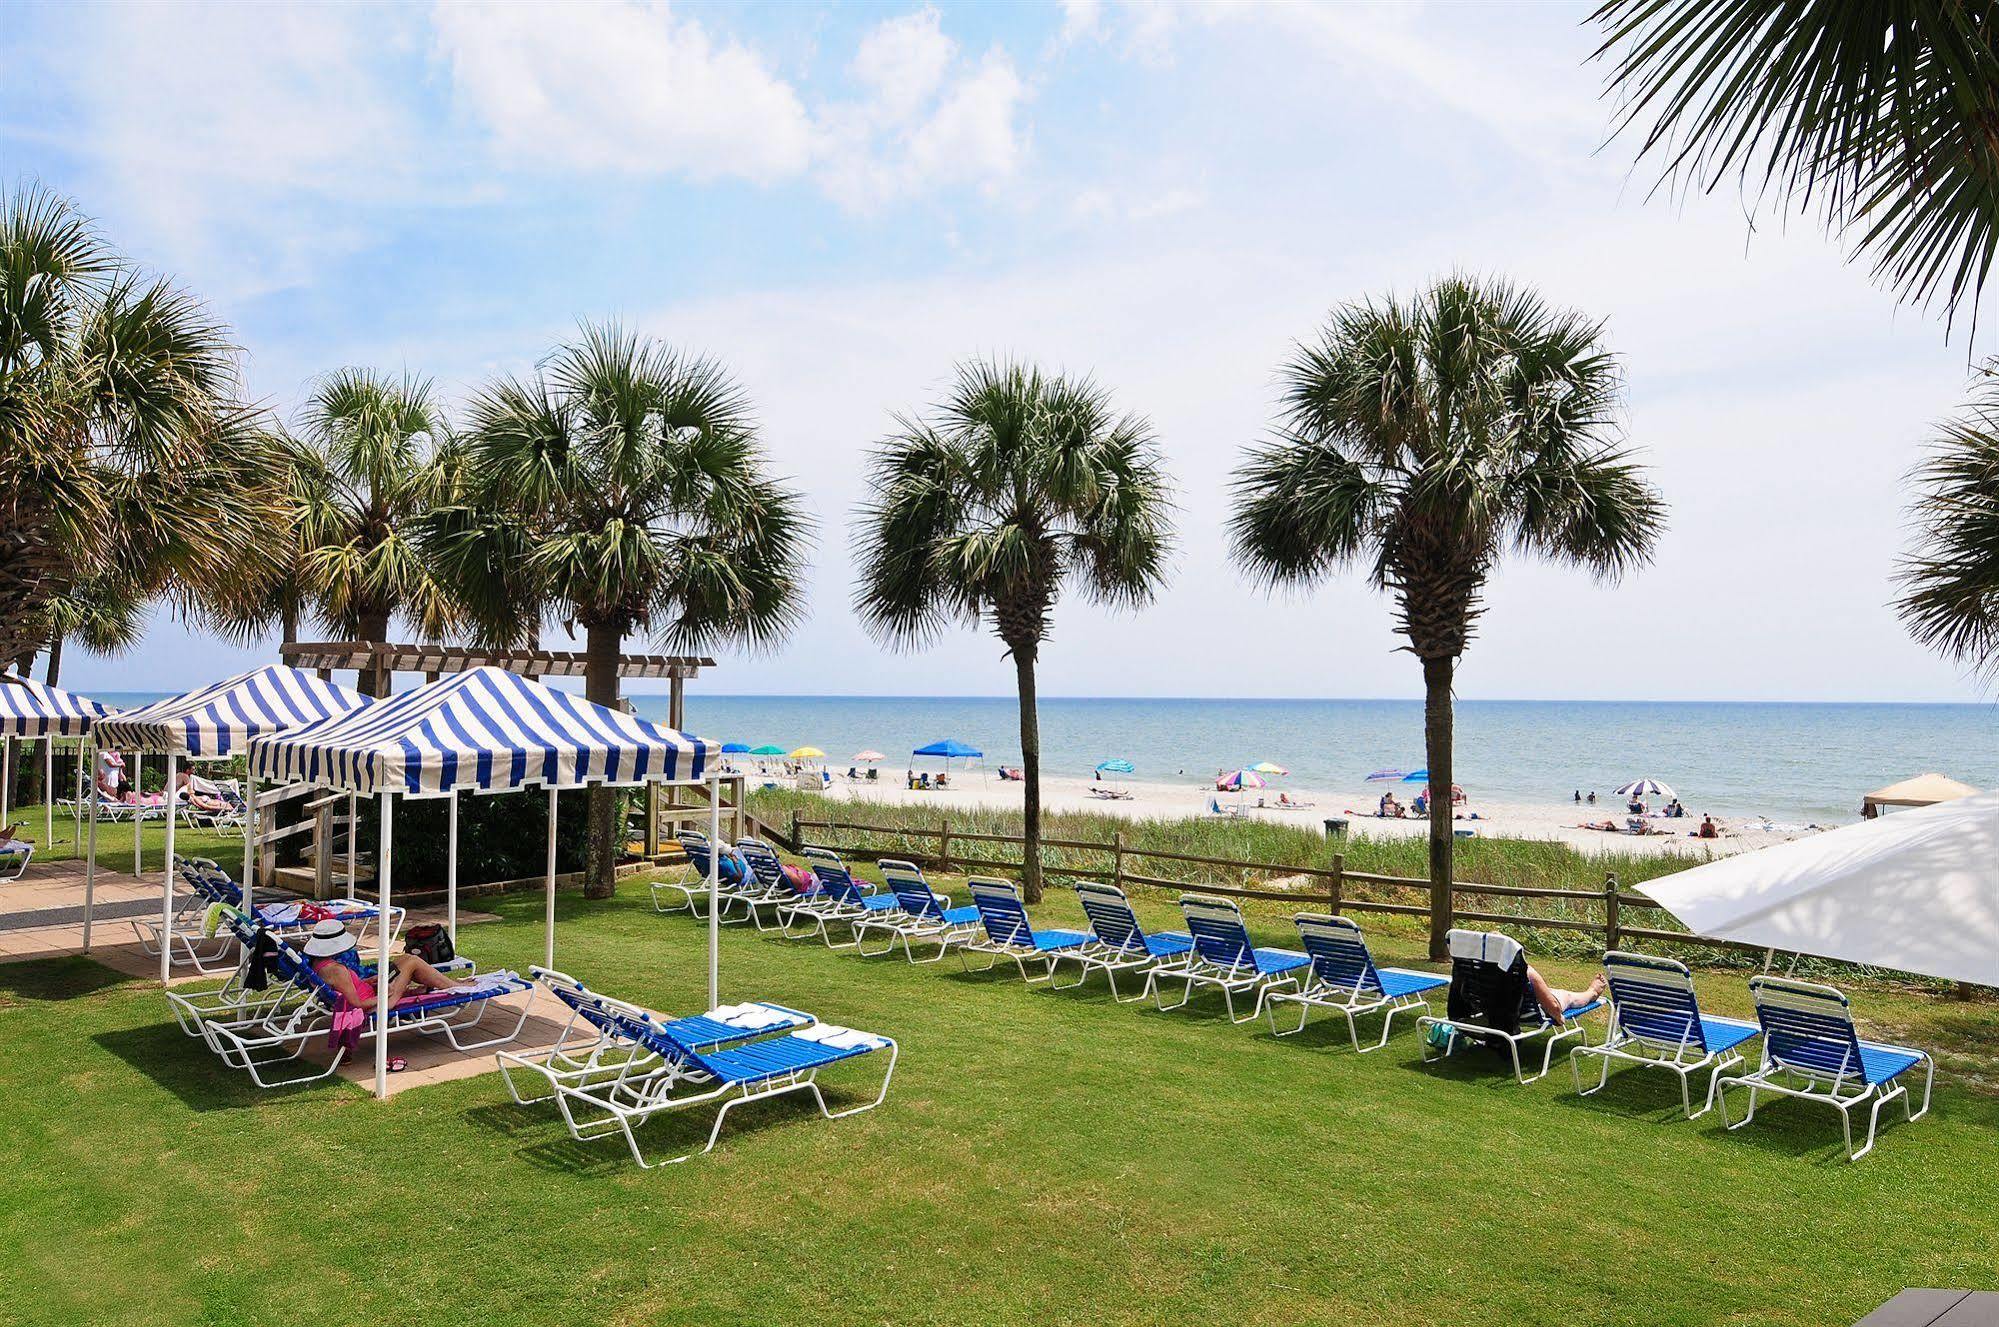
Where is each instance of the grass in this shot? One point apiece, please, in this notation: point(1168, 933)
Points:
point(1043, 1157)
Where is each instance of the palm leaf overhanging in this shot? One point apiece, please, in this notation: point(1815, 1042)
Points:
point(1018, 484)
point(1879, 116)
point(1423, 440)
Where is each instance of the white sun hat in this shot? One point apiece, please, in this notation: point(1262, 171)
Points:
point(329, 938)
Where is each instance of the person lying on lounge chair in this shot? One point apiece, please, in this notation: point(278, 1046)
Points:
point(332, 951)
point(1555, 1001)
point(193, 794)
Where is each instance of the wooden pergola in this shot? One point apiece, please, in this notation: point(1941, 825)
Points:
point(384, 659)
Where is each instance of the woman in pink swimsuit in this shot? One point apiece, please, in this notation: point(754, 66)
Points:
point(331, 951)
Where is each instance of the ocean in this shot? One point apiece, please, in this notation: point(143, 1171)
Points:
point(1796, 764)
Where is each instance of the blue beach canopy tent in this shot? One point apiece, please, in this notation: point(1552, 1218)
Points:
point(35, 709)
point(487, 730)
point(948, 750)
point(212, 723)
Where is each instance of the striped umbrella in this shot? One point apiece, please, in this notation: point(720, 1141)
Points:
point(1269, 767)
point(1646, 788)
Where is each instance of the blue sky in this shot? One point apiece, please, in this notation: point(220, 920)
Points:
point(842, 201)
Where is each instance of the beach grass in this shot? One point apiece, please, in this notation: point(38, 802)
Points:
point(1043, 1157)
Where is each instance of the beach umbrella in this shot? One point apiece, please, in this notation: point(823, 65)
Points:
point(808, 753)
point(869, 757)
point(1917, 891)
point(1388, 776)
point(1417, 776)
point(1115, 767)
point(1240, 782)
point(767, 750)
point(735, 748)
point(1646, 788)
point(1269, 767)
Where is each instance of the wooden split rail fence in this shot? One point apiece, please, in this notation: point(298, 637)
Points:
point(954, 850)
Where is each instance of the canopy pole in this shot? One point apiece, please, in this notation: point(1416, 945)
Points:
point(132, 773)
point(90, 857)
point(49, 790)
point(383, 972)
point(81, 743)
point(167, 879)
point(715, 890)
point(250, 843)
point(353, 838)
point(451, 873)
point(6, 779)
point(548, 921)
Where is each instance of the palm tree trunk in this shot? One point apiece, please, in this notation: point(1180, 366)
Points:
point(1437, 756)
point(602, 647)
point(1030, 765)
point(375, 630)
point(53, 669)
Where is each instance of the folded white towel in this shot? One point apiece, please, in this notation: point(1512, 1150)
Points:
point(842, 1038)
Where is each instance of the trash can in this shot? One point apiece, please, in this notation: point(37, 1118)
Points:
point(1336, 827)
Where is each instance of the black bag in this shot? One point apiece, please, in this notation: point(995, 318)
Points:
point(430, 942)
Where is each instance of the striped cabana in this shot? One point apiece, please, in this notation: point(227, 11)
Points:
point(485, 730)
point(210, 723)
point(35, 709)
point(221, 719)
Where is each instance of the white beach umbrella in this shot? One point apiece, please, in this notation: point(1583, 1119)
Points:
point(1917, 892)
point(1646, 788)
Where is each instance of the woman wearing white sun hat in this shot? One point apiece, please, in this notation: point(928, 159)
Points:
point(332, 953)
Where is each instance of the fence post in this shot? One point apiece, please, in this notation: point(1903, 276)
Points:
point(1336, 887)
point(797, 842)
point(1117, 858)
point(1611, 932)
point(944, 844)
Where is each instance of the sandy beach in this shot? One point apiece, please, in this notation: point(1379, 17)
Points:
point(1555, 821)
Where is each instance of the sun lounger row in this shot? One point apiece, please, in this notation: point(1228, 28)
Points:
point(1810, 1048)
point(209, 886)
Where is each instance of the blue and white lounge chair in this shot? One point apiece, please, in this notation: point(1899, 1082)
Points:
point(1655, 1020)
point(840, 903)
point(1491, 1003)
point(1009, 933)
point(1344, 978)
point(772, 891)
point(732, 1074)
point(594, 1047)
point(15, 854)
point(1812, 1050)
point(1119, 943)
point(921, 915)
point(258, 1045)
point(1224, 957)
point(693, 894)
point(208, 884)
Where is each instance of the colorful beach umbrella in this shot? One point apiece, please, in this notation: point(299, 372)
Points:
point(1417, 776)
point(808, 753)
point(1269, 767)
point(868, 757)
point(1390, 776)
point(767, 750)
point(1115, 767)
point(735, 748)
point(1241, 779)
point(1646, 788)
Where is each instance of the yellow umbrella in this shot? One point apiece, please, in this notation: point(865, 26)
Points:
point(808, 753)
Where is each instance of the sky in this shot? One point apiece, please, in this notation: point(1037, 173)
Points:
point(843, 202)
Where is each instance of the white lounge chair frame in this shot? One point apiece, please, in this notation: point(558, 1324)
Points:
point(1626, 1046)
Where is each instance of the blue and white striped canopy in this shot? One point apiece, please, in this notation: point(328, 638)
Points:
point(487, 730)
point(35, 709)
point(221, 719)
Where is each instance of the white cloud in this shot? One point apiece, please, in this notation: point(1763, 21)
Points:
point(626, 87)
point(902, 63)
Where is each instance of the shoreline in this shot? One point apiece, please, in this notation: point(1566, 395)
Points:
point(1558, 822)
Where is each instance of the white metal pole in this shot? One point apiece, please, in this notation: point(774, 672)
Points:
point(715, 891)
point(6, 779)
point(49, 790)
point(138, 811)
point(167, 879)
point(383, 971)
point(81, 777)
point(250, 844)
point(548, 922)
point(90, 857)
point(353, 839)
point(451, 874)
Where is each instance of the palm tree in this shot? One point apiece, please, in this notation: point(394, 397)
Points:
point(625, 485)
point(270, 590)
point(359, 492)
point(1950, 597)
point(1016, 483)
point(1881, 116)
point(123, 447)
point(1425, 438)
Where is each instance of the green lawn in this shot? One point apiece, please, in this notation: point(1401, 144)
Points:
point(1041, 1158)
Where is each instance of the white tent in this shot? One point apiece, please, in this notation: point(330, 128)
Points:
point(1917, 892)
point(35, 709)
point(210, 723)
point(1922, 790)
point(486, 730)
